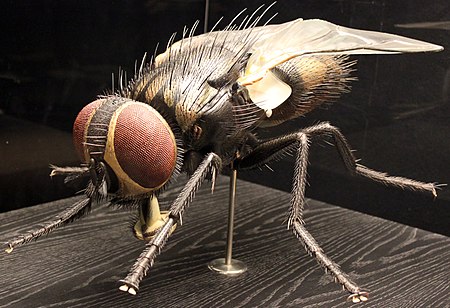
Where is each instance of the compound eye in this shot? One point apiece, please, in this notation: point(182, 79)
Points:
point(143, 146)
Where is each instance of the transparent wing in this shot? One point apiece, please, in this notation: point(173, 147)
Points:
point(279, 43)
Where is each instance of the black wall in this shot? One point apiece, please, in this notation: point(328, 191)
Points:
point(56, 56)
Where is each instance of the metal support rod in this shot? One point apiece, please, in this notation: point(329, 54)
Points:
point(228, 265)
point(232, 205)
point(205, 25)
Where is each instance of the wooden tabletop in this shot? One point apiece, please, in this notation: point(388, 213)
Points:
point(79, 265)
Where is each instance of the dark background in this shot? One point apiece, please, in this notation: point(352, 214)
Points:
point(57, 56)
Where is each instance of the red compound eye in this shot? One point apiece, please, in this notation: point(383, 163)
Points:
point(80, 127)
point(144, 145)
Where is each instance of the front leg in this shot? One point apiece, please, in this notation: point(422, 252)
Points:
point(211, 163)
point(95, 191)
point(299, 142)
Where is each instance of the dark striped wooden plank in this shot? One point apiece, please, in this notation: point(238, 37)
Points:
point(79, 265)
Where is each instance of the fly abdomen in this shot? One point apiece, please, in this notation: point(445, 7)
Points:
point(314, 80)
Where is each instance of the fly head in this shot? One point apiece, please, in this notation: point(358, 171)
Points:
point(129, 147)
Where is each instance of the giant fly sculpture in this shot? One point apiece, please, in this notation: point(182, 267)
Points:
point(195, 108)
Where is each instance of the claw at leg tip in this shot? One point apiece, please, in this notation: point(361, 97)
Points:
point(358, 297)
point(9, 249)
point(126, 288)
point(123, 288)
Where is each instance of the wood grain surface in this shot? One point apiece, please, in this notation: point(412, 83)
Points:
point(79, 265)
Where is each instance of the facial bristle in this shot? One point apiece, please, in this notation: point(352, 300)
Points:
point(80, 126)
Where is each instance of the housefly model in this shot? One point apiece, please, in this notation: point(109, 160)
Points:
point(194, 109)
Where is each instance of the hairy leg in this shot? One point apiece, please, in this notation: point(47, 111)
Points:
point(299, 142)
point(144, 262)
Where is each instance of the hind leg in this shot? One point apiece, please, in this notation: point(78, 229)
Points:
point(299, 143)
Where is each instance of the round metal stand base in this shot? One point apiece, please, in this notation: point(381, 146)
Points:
point(235, 267)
